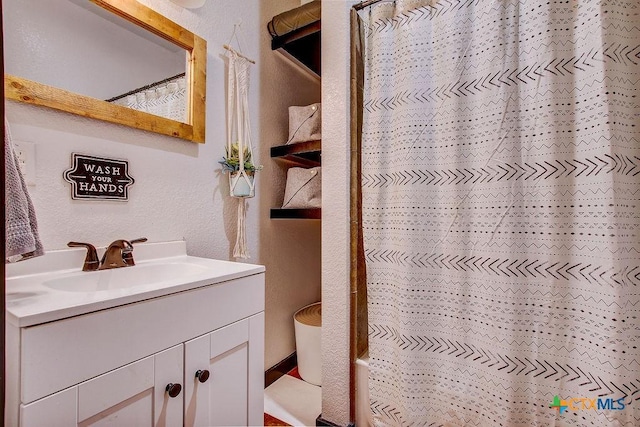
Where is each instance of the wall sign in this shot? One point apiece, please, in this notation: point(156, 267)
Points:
point(98, 178)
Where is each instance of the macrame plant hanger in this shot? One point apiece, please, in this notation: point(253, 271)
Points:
point(241, 182)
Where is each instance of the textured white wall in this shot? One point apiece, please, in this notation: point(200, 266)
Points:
point(335, 211)
point(179, 192)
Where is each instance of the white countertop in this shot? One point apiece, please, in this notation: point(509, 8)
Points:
point(35, 289)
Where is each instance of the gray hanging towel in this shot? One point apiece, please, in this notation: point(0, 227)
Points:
point(21, 228)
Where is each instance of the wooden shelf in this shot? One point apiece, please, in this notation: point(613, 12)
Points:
point(303, 153)
point(301, 46)
point(313, 213)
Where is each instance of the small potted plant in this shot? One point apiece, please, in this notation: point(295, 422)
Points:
point(240, 181)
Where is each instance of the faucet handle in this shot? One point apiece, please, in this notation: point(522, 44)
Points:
point(128, 254)
point(91, 261)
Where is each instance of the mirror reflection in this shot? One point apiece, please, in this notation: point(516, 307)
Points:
point(77, 46)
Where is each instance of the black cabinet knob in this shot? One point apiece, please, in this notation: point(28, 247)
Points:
point(173, 389)
point(202, 375)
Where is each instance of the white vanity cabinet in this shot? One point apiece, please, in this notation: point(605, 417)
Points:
point(112, 366)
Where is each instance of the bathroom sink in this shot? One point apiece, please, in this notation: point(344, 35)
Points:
point(53, 287)
point(125, 277)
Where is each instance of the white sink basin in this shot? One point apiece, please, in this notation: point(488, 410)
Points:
point(124, 277)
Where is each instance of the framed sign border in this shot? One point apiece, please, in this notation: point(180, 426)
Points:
point(74, 184)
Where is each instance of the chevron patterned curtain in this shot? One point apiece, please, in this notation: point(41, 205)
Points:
point(501, 212)
point(168, 99)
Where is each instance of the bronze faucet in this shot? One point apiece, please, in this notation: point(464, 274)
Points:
point(114, 255)
point(118, 254)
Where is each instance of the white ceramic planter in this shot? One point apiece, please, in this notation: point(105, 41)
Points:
point(241, 184)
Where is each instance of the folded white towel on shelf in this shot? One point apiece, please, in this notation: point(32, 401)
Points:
point(21, 227)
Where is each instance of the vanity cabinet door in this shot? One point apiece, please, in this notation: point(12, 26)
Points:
point(168, 387)
point(133, 395)
point(232, 395)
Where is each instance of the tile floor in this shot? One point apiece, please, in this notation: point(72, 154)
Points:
point(291, 401)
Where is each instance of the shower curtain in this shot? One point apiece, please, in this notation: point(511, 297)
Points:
point(168, 100)
point(501, 211)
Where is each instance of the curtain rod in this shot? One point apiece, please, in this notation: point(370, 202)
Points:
point(367, 3)
point(230, 49)
point(149, 86)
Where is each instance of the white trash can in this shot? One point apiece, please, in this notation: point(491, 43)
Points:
point(308, 326)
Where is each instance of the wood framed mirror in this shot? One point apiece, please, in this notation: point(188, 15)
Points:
point(32, 91)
